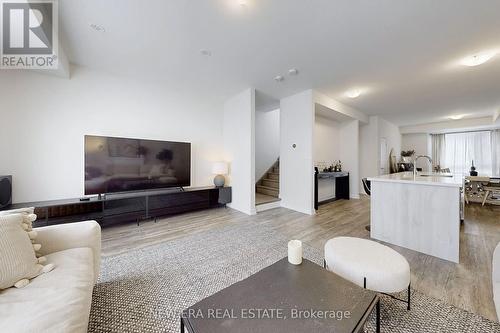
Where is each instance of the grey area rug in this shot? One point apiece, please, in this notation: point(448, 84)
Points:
point(145, 290)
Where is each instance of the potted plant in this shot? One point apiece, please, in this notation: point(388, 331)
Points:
point(406, 155)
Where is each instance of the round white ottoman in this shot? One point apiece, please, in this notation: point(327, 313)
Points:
point(368, 264)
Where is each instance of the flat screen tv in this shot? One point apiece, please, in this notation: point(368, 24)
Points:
point(121, 164)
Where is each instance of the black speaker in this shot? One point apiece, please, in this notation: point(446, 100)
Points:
point(5, 191)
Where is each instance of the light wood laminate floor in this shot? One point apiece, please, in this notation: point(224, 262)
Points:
point(263, 198)
point(466, 285)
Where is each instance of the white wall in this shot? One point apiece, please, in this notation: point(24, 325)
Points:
point(326, 151)
point(349, 154)
point(239, 149)
point(391, 133)
point(267, 140)
point(326, 140)
point(421, 143)
point(44, 120)
point(339, 107)
point(370, 136)
point(296, 164)
point(350, 121)
point(369, 149)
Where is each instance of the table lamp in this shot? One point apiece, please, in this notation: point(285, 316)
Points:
point(219, 169)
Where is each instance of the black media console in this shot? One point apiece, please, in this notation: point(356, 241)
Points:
point(128, 207)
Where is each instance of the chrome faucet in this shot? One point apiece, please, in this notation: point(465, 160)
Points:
point(415, 163)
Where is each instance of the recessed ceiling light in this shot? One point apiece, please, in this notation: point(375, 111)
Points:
point(354, 93)
point(478, 59)
point(279, 78)
point(97, 27)
point(242, 3)
point(293, 71)
point(456, 117)
point(207, 53)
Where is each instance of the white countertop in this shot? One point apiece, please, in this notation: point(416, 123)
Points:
point(407, 178)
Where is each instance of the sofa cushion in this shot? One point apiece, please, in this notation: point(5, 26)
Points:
point(18, 261)
point(58, 301)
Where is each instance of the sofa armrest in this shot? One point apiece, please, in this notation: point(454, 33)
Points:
point(496, 264)
point(72, 235)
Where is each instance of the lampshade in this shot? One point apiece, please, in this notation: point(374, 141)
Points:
point(220, 168)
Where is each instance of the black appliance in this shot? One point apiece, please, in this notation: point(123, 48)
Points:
point(123, 164)
point(5, 191)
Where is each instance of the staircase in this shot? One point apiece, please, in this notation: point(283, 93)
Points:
point(269, 184)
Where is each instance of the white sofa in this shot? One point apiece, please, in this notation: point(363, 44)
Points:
point(496, 279)
point(58, 301)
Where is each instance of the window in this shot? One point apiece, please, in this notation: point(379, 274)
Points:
point(463, 148)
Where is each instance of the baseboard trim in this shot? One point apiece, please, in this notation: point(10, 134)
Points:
point(267, 206)
point(304, 211)
point(250, 211)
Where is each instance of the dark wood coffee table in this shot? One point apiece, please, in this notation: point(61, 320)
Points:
point(285, 298)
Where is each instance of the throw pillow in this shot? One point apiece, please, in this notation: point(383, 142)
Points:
point(18, 262)
point(30, 210)
point(25, 223)
point(28, 218)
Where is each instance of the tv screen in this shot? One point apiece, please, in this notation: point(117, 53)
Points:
point(120, 164)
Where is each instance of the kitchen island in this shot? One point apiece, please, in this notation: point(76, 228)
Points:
point(421, 212)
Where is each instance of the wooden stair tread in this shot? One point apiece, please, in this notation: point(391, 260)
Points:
point(267, 187)
point(266, 201)
point(268, 184)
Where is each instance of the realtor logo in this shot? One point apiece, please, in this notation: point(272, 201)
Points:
point(29, 34)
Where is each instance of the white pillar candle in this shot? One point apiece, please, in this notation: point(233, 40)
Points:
point(295, 252)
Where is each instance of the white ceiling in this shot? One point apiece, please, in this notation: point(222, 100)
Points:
point(402, 50)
